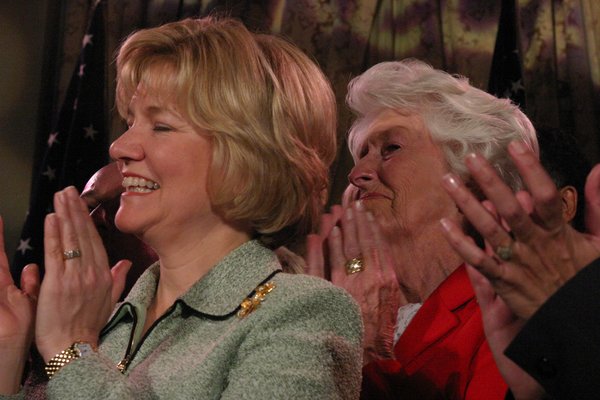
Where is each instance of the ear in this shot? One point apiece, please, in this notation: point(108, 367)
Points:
point(568, 195)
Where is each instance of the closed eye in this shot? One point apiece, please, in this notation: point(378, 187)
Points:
point(389, 149)
point(162, 128)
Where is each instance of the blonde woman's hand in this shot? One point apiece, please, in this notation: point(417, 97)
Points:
point(17, 310)
point(77, 293)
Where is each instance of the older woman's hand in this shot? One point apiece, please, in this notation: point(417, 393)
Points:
point(79, 290)
point(17, 310)
point(375, 288)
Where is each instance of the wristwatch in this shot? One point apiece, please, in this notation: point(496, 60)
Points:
point(73, 352)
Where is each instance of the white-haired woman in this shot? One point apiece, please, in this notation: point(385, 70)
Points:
point(423, 331)
point(212, 111)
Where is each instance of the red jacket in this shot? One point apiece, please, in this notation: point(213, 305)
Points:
point(442, 354)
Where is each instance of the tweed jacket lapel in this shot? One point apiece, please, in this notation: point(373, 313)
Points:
point(435, 319)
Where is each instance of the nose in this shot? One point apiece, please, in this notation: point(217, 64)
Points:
point(127, 147)
point(363, 173)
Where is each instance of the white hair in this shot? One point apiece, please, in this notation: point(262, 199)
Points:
point(460, 118)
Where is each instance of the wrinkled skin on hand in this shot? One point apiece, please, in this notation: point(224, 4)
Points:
point(351, 233)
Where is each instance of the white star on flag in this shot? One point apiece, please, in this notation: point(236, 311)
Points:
point(516, 86)
point(87, 39)
point(24, 246)
point(90, 132)
point(50, 173)
point(53, 138)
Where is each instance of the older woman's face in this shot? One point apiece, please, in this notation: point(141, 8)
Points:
point(164, 162)
point(398, 174)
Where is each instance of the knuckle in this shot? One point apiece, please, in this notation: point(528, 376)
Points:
point(546, 195)
point(512, 213)
point(491, 229)
point(478, 259)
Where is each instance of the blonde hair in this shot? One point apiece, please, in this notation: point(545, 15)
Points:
point(268, 108)
point(460, 118)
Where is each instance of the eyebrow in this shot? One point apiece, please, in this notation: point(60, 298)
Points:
point(152, 110)
point(386, 133)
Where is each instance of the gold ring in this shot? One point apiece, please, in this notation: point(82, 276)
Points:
point(70, 254)
point(504, 252)
point(354, 266)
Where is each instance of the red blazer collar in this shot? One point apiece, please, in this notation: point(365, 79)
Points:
point(436, 317)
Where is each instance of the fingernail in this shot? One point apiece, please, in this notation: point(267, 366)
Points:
point(358, 204)
point(446, 224)
point(473, 162)
point(51, 219)
point(451, 181)
point(370, 216)
point(72, 191)
point(336, 231)
point(518, 147)
point(349, 214)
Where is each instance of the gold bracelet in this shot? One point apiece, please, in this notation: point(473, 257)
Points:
point(73, 352)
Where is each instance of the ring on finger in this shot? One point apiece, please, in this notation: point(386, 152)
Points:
point(71, 254)
point(504, 253)
point(354, 266)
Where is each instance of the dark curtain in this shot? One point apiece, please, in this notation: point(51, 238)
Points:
point(556, 47)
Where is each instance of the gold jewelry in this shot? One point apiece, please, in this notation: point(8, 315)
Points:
point(504, 252)
point(73, 352)
point(253, 302)
point(354, 266)
point(70, 254)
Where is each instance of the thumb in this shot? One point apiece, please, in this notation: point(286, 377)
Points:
point(119, 273)
point(482, 287)
point(314, 256)
point(30, 281)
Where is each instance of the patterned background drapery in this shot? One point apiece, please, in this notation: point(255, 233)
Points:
point(558, 42)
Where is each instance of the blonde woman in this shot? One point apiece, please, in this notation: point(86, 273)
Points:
point(214, 115)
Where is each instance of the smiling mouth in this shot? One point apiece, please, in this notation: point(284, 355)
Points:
point(372, 196)
point(139, 185)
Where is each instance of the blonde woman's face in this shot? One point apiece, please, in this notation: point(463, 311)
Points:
point(164, 162)
point(398, 174)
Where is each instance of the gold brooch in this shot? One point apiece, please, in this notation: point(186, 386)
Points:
point(252, 303)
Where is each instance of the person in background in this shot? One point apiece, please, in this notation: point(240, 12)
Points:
point(539, 299)
point(567, 166)
point(211, 110)
point(102, 195)
point(423, 330)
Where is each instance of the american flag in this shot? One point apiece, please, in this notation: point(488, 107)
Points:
point(75, 148)
point(506, 79)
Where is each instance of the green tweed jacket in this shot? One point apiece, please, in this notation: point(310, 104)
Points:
point(301, 340)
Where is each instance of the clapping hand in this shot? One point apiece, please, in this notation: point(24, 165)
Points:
point(531, 251)
point(360, 261)
point(79, 289)
point(17, 310)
